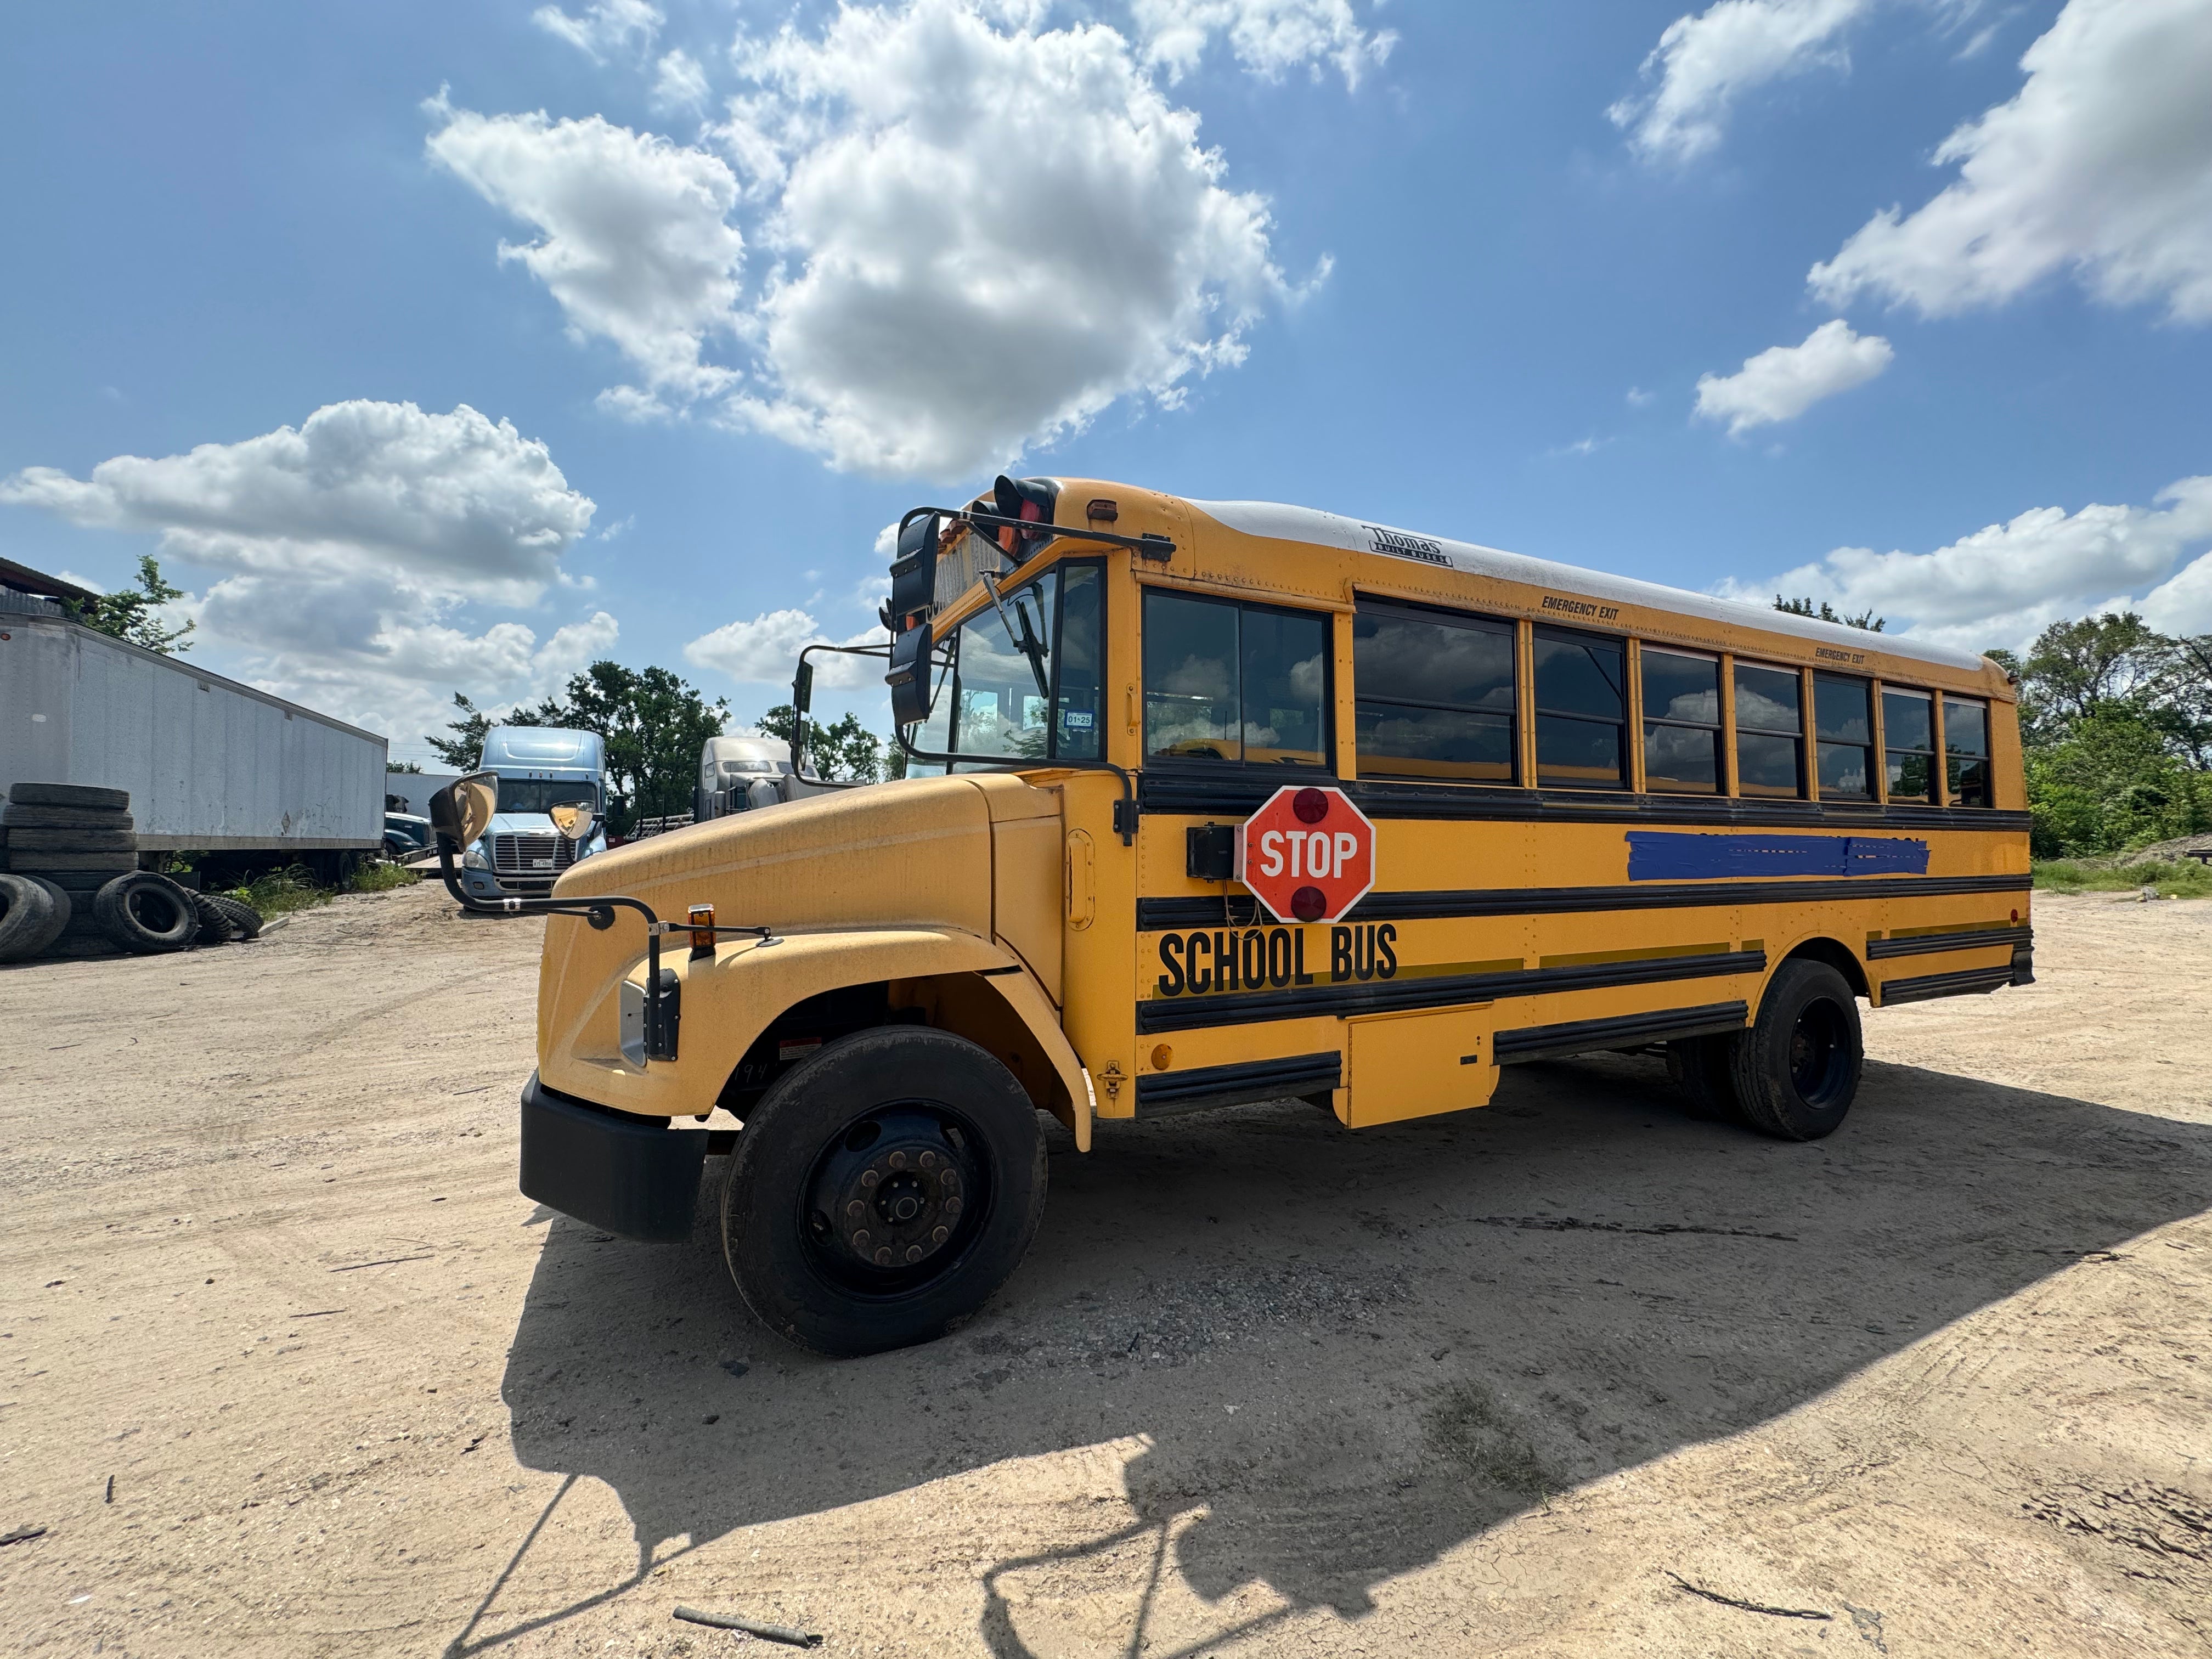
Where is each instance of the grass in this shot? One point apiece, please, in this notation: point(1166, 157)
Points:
point(297, 888)
point(2173, 877)
point(379, 878)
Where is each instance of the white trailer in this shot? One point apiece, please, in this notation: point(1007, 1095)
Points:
point(211, 765)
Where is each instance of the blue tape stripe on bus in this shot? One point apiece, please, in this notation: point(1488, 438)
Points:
point(1655, 855)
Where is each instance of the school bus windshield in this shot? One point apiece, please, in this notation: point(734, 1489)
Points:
point(1019, 680)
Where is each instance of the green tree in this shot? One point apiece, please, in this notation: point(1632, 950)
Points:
point(654, 725)
point(1827, 612)
point(844, 751)
point(2110, 783)
point(415, 767)
point(464, 749)
point(134, 614)
point(2076, 669)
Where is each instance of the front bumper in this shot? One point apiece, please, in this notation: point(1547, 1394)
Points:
point(607, 1168)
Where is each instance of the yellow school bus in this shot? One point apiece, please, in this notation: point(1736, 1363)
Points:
point(1599, 813)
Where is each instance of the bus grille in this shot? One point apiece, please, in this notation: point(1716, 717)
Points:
point(528, 858)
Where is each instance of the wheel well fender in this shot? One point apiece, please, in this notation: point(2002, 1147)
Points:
point(1837, 955)
point(956, 981)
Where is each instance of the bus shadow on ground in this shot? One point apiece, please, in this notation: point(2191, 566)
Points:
point(1421, 1329)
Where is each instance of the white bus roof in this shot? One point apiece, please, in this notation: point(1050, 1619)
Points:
point(1311, 525)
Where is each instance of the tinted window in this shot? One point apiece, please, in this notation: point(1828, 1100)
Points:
point(1579, 675)
point(1234, 682)
point(1966, 748)
point(1770, 753)
point(1581, 682)
point(1843, 718)
point(1403, 658)
point(1908, 729)
point(1681, 722)
point(1767, 700)
point(1435, 696)
point(1285, 658)
point(1080, 699)
point(1680, 688)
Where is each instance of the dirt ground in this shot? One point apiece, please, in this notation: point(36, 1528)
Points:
point(1505, 1383)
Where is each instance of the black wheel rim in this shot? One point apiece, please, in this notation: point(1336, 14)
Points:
point(895, 1199)
point(1819, 1054)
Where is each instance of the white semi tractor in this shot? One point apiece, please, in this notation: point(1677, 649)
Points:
point(744, 774)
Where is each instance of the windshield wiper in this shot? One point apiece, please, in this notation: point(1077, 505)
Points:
point(1025, 640)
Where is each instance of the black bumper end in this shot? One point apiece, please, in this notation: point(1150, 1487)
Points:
point(629, 1176)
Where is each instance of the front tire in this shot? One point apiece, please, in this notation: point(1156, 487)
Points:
point(883, 1189)
point(1796, 1070)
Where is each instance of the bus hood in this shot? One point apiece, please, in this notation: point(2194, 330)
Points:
point(982, 854)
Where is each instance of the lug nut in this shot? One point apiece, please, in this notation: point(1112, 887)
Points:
point(929, 1160)
point(938, 1235)
point(913, 1253)
point(861, 1242)
point(883, 1258)
point(856, 1209)
point(897, 1160)
point(869, 1177)
point(952, 1207)
point(951, 1181)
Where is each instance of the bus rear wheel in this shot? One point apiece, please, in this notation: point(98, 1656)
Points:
point(1796, 1070)
point(883, 1190)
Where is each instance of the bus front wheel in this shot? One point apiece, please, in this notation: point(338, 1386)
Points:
point(882, 1190)
point(1796, 1070)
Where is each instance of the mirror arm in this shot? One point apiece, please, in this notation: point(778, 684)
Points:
point(599, 912)
point(798, 713)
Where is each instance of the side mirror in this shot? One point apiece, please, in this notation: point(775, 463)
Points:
point(574, 819)
point(463, 809)
point(908, 678)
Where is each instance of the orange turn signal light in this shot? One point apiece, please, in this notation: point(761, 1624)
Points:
point(702, 929)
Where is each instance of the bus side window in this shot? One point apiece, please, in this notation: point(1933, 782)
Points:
point(1681, 722)
point(1231, 682)
point(1908, 732)
point(1435, 696)
point(1770, 750)
point(1582, 710)
point(1967, 749)
point(1843, 721)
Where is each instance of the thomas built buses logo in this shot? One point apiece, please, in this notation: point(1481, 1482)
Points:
point(1407, 547)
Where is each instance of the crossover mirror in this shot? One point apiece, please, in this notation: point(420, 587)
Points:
point(463, 809)
point(572, 818)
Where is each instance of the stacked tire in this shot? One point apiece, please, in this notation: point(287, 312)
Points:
point(71, 885)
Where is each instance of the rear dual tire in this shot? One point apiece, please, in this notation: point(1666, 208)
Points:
point(883, 1191)
point(1794, 1072)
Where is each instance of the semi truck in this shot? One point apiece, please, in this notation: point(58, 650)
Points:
point(523, 850)
point(744, 774)
point(211, 765)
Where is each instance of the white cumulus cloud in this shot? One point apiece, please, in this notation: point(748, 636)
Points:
point(765, 651)
point(1782, 382)
point(1704, 63)
point(970, 234)
point(633, 241)
point(2004, 583)
point(2101, 165)
point(346, 551)
point(1268, 37)
point(603, 27)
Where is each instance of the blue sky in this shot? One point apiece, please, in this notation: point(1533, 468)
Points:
point(774, 273)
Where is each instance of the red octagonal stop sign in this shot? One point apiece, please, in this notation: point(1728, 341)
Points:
point(1308, 854)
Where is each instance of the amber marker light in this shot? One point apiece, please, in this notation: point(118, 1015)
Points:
point(702, 930)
